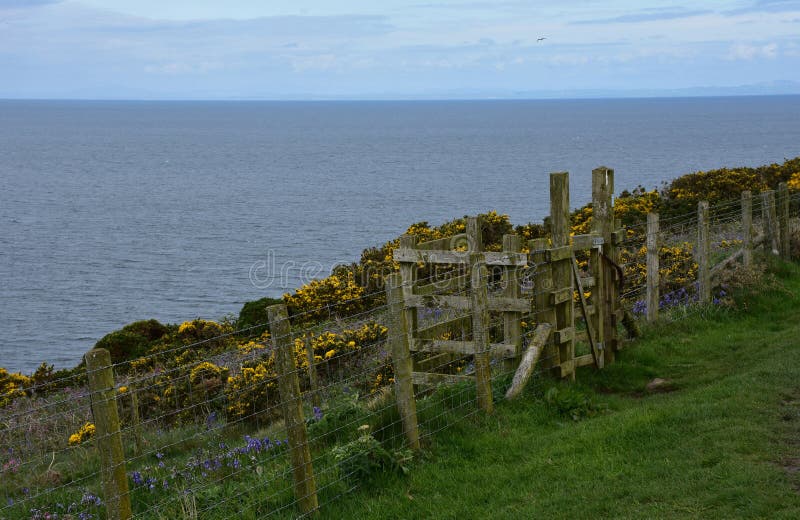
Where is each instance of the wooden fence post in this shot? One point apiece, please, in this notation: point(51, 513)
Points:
point(107, 434)
point(768, 221)
point(480, 331)
point(544, 311)
point(703, 252)
point(305, 489)
point(653, 278)
point(747, 228)
point(401, 359)
point(512, 330)
point(603, 225)
point(564, 335)
point(783, 221)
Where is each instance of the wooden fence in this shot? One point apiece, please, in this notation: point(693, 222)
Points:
point(528, 304)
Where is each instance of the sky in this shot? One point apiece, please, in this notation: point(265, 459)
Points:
point(357, 49)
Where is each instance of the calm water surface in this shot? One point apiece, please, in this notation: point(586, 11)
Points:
point(112, 212)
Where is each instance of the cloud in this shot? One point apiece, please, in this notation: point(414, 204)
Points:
point(745, 52)
point(21, 4)
point(644, 17)
point(767, 6)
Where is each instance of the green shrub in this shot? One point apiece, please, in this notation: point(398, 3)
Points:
point(253, 316)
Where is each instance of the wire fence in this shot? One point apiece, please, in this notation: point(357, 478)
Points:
point(206, 428)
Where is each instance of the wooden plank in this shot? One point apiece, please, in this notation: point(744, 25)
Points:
point(582, 242)
point(505, 258)
point(561, 295)
point(432, 379)
point(474, 234)
point(563, 336)
point(446, 301)
point(558, 253)
point(582, 361)
point(588, 282)
point(437, 330)
point(464, 348)
point(543, 308)
point(618, 237)
point(529, 360)
point(445, 244)
point(433, 362)
point(503, 351)
point(590, 327)
point(768, 219)
point(431, 257)
point(454, 283)
point(728, 261)
point(562, 272)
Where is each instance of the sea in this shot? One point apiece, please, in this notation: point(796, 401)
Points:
point(116, 211)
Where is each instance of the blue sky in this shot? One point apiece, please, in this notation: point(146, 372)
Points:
point(389, 48)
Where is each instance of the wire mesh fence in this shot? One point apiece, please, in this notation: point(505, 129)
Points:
point(205, 425)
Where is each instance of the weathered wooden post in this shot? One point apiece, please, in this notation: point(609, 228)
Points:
point(107, 434)
point(768, 221)
point(305, 488)
point(479, 281)
point(313, 383)
point(747, 228)
point(512, 330)
point(703, 253)
point(783, 221)
point(543, 296)
point(653, 278)
point(564, 335)
point(603, 225)
point(401, 359)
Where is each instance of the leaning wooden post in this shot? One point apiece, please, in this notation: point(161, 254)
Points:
point(564, 334)
point(768, 221)
point(512, 329)
point(783, 221)
point(747, 228)
point(652, 267)
point(703, 253)
point(305, 488)
point(603, 225)
point(480, 330)
point(401, 359)
point(108, 436)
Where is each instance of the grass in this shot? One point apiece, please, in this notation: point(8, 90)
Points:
point(723, 442)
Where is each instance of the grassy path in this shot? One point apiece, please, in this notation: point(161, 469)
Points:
point(723, 443)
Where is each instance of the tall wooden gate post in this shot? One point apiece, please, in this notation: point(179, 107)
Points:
point(305, 488)
point(480, 330)
point(603, 225)
point(652, 267)
point(564, 335)
point(747, 228)
point(512, 330)
point(702, 253)
point(107, 435)
point(543, 297)
point(401, 360)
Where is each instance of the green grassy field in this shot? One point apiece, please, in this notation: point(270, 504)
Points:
point(722, 440)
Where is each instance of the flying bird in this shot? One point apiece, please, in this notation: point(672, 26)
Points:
point(540, 39)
